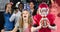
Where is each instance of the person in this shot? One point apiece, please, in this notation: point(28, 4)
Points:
point(31, 5)
point(54, 8)
point(15, 17)
point(25, 22)
point(1, 22)
point(8, 26)
point(21, 6)
point(43, 21)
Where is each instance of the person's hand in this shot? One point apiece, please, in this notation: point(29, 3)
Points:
point(41, 25)
point(12, 31)
point(2, 30)
point(44, 23)
point(48, 23)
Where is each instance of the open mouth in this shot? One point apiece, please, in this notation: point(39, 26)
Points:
point(24, 16)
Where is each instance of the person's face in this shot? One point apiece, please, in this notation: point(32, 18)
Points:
point(31, 5)
point(20, 6)
point(8, 7)
point(25, 14)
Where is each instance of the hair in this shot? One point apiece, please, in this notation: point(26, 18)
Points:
point(32, 2)
point(6, 5)
point(34, 12)
point(22, 4)
point(21, 20)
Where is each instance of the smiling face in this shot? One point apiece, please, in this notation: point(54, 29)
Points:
point(20, 6)
point(31, 5)
point(25, 14)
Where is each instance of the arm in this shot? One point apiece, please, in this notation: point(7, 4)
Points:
point(51, 23)
point(35, 28)
point(2, 30)
point(15, 29)
point(53, 27)
point(17, 24)
point(52, 1)
point(12, 17)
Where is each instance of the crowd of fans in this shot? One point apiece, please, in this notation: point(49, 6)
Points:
point(18, 17)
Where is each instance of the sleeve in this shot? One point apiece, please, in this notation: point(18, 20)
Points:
point(18, 18)
point(12, 17)
point(35, 22)
point(17, 24)
point(52, 19)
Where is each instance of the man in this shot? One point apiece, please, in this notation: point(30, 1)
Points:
point(43, 21)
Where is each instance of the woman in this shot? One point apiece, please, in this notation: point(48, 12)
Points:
point(25, 21)
point(8, 26)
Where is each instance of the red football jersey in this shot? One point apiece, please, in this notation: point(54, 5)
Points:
point(37, 18)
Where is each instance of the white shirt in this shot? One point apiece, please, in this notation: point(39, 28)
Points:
point(16, 18)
